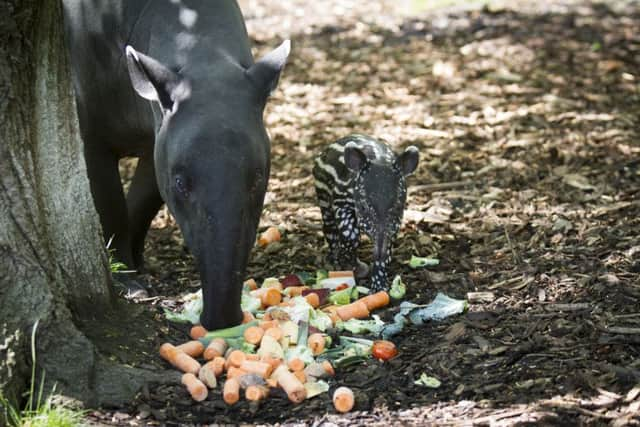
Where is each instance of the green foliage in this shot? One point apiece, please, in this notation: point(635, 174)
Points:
point(38, 413)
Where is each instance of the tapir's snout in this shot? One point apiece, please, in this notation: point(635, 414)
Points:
point(381, 246)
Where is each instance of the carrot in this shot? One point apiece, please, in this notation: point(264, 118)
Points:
point(235, 358)
point(253, 334)
point(271, 361)
point(328, 368)
point(266, 324)
point(290, 384)
point(301, 376)
point(313, 299)
point(275, 333)
point(197, 331)
point(208, 375)
point(343, 399)
point(192, 348)
point(179, 359)
point(355, 310)
point(261, 368)
point(231, 391)
point(234, 372)
point(252, 356)
point(331, 308)
point(251, 284)
point(344, 273)
point(334, 317)
point(256, 392)
point(272, 382)
point(375, 301)
point(197, 389)
point(218, 365)
point(216, 348)
point(271, 297)
point(316, 343)
point(247, 317)
point(296, 364)
point(296, 291)
point(272, 234)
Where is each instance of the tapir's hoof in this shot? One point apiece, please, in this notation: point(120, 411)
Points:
point(362, 270)
point(131, 288)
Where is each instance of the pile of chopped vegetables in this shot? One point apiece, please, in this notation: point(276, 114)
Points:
point(286, 340)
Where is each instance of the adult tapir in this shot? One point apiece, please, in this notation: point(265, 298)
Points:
point(173, 82)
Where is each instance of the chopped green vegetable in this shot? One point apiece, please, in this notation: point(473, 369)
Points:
point(342, 297)
point(290, 330)
point(356, 326)
point(417, 262)
point(441, 307)
point(301, 352)
point(271, 282)
point(190, 311)
point(320, 320)
point(270, 347)
point(334, 282)
point(249, 303)
point(398, 288)
point(315, 388)
point(227, 333)
point(427, 381)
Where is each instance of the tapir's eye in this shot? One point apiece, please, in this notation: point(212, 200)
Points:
point(181, 186)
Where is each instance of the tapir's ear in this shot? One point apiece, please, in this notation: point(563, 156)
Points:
point(408, 160)
point(265, 73)
point(152, 80)
point(354, 157)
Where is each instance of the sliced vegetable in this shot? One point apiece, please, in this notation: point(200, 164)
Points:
point(291, 280)
point(249, 303)
point(376, 301)
point(417, 262)
point(427, 381)
point(334, 282)
point(314, 388)
point(360, 327)
point(217, 347)
point(317, 343)
point(355, 310)
point(343, 399)
point(290, 384)
point(342, 297)
point(270, 235)
point(207, 375)
point(179, 359)
point(253, 334)
point(323, 294)
point(197, 331)
point(190, 311)
point(398, 288)
point(270, 347)
point(384, 350)
point(192, 348)
point(197, 389)
point(256, 392)
point(231, 391)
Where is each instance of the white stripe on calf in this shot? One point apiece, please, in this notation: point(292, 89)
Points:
point(329, 170)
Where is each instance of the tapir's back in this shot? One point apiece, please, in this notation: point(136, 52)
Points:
point(180, 34)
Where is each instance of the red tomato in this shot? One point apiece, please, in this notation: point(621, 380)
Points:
point(384, 350)
point(341, 287)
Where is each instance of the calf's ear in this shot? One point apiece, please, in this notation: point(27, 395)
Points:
point(408, 160)
point(153, 80)
point(354, 157)
point(265, 73)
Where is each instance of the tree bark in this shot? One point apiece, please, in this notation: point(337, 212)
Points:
point(53, 266)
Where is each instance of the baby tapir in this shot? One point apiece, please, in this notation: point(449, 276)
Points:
point(361, 187)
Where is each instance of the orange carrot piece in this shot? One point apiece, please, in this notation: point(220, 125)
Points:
point(272, 382)
point(208, 375)
point(256, 392)
point(343, 273)
point(192, 348)
point(251, 284)
point(255, 357)
point(218, 365)
point(253, 334)
point(231, 391)
point(261, 368)
point(313, 299)
point(355, 310)
point(270, 297)
point(266, 324)
point(197, 389)
point(247, 317)
point(328, 368)
point(179, 359)
point(296, 291)
point(301, 376)
point(316, 343)
point(271, 361)
point(334, 317)
point(216, 348)
point(198, 331)
point(272, 234)
point(296, 364)
point(234, 372)
point(290, 384)
point(375, 301)
point(275, 333)
point(343, 399)
point(235, 358)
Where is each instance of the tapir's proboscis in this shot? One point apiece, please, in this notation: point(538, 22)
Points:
point(173, 82)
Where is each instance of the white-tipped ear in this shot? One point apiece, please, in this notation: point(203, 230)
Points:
point(151, 79)
point(265, 73)
point(354, 157)
point(408, 160)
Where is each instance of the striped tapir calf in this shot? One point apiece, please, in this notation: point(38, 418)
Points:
point(361, 188)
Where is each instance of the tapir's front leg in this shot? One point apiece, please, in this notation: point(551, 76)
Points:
point(379, 273)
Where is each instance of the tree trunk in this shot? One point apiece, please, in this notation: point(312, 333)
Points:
point(53, 266)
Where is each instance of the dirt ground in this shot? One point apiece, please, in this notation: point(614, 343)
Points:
point(527, 122)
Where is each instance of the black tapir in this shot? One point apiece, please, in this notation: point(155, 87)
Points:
point(195, 124)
